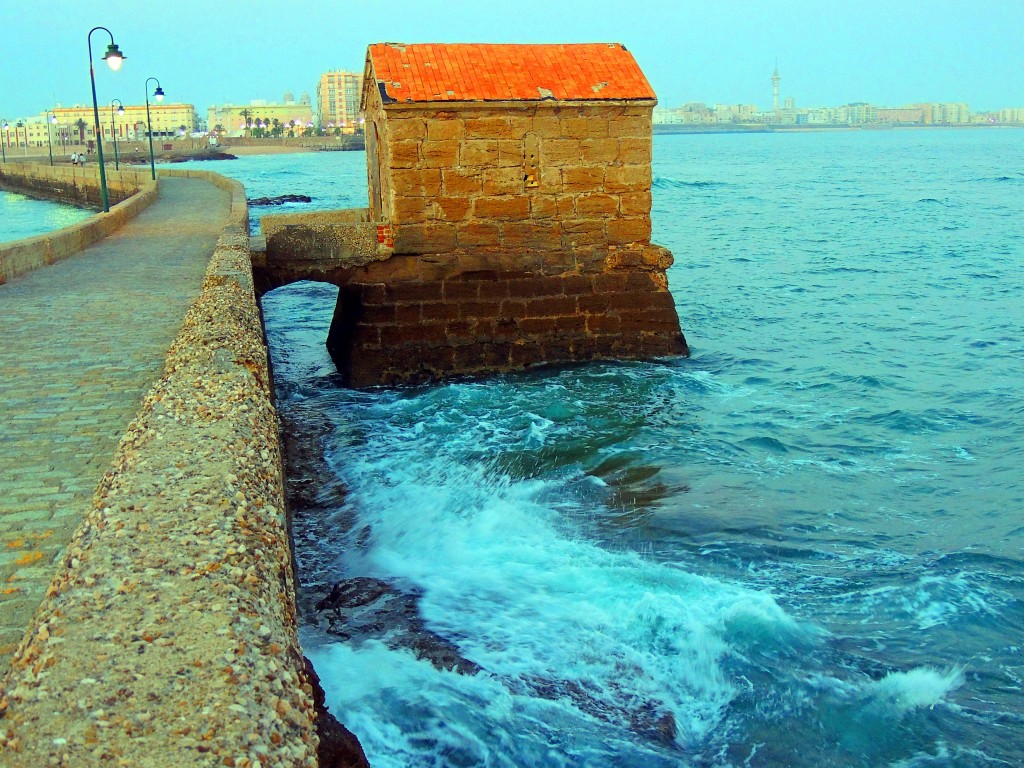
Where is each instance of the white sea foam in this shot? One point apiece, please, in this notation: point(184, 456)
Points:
point(505, 572)
point(916, 688)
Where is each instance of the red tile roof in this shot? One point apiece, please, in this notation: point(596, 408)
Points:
point(484, 72)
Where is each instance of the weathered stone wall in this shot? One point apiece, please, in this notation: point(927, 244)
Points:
point(530, 176)
point(508, 235)
point(425, 317)
point(77, 185)
point(168, 635)
point(20, 256)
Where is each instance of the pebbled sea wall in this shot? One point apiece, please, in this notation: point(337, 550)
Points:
point(168, 635)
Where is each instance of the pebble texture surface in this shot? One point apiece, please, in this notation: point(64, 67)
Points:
point(83, 340)
point(168, 636)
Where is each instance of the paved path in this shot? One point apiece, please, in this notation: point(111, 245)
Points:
point(81, 342)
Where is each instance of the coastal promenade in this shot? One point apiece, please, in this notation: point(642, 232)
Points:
point(83, 340)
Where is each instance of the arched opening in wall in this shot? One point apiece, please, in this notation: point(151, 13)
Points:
point(298, 319)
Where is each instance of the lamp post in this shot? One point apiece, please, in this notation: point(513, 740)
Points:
point(3, 141)
point(113, 130)
point(51, 119)
point(113, 57)
point(158, 94)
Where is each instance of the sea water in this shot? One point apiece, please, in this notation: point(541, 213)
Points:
point(805, 543)
point(22, 216)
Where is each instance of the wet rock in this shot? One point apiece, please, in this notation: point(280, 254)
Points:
point(280, 200)
point(339, 747)
point(649, 719)
point(365, 608)
point(211, 154)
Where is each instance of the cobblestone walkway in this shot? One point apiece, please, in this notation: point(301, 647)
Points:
point(80, 344)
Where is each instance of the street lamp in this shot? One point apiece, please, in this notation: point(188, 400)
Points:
point(3, 141)
point(51, 119)
point(158, 94)
point(113, 57)
point(113, 130)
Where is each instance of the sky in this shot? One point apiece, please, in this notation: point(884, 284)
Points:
point(829, 52)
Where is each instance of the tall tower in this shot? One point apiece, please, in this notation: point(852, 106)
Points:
point(775, 88)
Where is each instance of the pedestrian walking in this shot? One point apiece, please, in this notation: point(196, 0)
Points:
point(74, 158)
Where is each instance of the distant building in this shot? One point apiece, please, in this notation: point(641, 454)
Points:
point(944, 113)
point(283, 118)
point(337, 99)
point(168, 121)
point(901, 115)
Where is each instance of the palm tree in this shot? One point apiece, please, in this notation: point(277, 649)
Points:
point(80, 124)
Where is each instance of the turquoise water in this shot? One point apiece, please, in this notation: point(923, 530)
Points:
point(804, 545)
point(22, 216)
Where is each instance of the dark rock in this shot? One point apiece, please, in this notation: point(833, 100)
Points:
point(649, 719)
point(339, 747)
point(202, 155)
point(364, 608)
point(280, 200)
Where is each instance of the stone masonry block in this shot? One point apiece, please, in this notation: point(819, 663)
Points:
point(510, 153)
point(440, 310)
point(439, 154)
point(405, 154)
point(478, 234)
point(488, 128)
point(500, 208)
point(459, 290)
point(431, 237)
point(403, 128)
point(634, 229)
point(550, 180)
point(547, 126)
point(574, 128)
point(458, 183)
point(599, 151)
point(409, 210)
point(502, 181)
point(478, 309)
point(582, 232)
point(635, 204)
point(551, 306)
point(413, 291)
point(536, 236)
point(583, 179)
point(630, 127)
point(479, 153)
point(451, 208)
point(551, 206)
point(519, 125)
point(448, 129)
point(562, 152)
point(416, 183)
point(627, 178)
point(635, 151)
point(597, 204)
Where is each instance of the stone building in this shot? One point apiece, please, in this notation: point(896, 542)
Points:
point(510, 196)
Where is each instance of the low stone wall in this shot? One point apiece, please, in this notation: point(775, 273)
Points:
point(78, 185)
point(168, 635)
point(135, 191)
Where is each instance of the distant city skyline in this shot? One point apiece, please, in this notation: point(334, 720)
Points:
point(828, 52)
